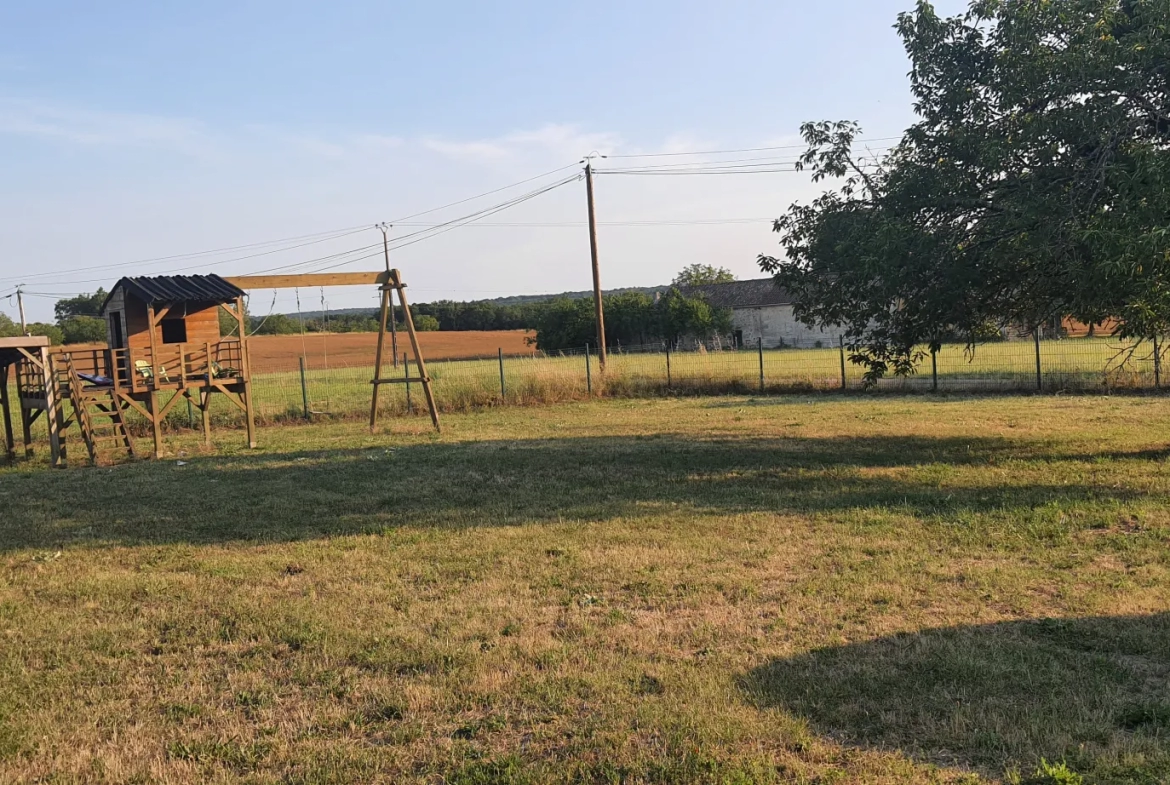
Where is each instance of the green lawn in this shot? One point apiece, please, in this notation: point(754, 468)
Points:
point(708, 590)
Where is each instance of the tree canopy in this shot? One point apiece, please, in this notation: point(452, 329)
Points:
point(702, 274)
point(1035, 185)
point(631, 318)
point(81, 305)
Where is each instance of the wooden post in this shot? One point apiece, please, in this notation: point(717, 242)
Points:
point(378, 356)
point(9, 440)
point(205, 398)
point(588, 374)
point(393, 320)
point(246, 361)
point(841, 343)
point(503, 393)
point(597, 303)
point(1157, 365)
point(51, 404)
point(760, 348)
point(205, 412)
point(669, 381)
point(155, 422)
point(934, 369)
point(1039, 375)
point(396, 279)
point(26, 427)
point(406, 371)
point(305, 388)
point(153, 345)
point(20, 307)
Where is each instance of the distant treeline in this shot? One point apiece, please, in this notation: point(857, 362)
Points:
point(562, 323)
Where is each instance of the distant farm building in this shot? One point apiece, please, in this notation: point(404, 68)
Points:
point(762, 310)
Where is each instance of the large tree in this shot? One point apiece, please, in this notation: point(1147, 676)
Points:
point(1035, 185)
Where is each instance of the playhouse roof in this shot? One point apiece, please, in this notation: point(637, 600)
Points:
point(178, 288)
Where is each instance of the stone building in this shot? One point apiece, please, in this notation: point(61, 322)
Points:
point(761, 309)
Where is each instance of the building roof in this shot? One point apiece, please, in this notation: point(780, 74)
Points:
point(178, 288)
point(756, 293)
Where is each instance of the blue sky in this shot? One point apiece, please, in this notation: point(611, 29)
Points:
point(138, 130)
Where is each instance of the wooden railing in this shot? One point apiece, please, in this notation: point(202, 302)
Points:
point(171, 366)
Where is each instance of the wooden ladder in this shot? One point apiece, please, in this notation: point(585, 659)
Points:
point(100, 417)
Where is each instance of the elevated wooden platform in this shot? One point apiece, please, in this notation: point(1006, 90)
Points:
point(36, 391)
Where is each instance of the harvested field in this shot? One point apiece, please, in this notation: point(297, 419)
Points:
point(280, 352)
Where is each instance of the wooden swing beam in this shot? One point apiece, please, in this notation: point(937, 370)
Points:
point(309, 280)
point(389, 281)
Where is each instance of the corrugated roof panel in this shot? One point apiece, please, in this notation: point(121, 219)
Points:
point(180, 288)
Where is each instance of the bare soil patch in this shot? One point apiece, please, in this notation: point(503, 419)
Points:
point(280, 352)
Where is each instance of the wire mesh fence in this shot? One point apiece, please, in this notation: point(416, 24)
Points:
point(1069, 365)
point(320, 389)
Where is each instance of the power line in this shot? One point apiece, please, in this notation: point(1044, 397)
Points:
point(480, 196)
point(746, 162)
point(578, 224)
point(743, 149)
point(714, 168)
point(323, 237)
point(335, 234)
point(696, 171)
point(455, 223)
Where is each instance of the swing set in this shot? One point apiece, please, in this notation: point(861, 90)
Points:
point(389, 283)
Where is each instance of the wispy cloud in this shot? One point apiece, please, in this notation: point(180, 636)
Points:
point(562, 141)
point(315, 144)
point(89, 127)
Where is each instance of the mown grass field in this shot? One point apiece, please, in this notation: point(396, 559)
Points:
point(708, 590)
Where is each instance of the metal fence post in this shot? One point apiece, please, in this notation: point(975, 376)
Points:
point(502, 390)
point(760, 348)
point(934, 369)
point(669, 380)
point(304, 388)
point(1039, 375)
point(1157, 366)
point(406, 368)
point(841, 343)
point(588, 374)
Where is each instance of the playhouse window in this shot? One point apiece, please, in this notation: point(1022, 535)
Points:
point(174, 331)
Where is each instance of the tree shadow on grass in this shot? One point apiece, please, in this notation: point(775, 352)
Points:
point(1093, 692)
point(291, 496)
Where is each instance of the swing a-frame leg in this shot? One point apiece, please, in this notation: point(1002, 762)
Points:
point(395, 285)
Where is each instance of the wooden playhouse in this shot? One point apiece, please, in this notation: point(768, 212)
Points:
point(164, 346)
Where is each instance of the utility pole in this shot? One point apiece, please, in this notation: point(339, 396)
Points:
point(393, 328)
point(20, 305)
point(596, 269)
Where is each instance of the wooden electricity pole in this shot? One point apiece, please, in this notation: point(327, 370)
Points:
point(20, 305)
point(393, 326)
point(596, 269)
